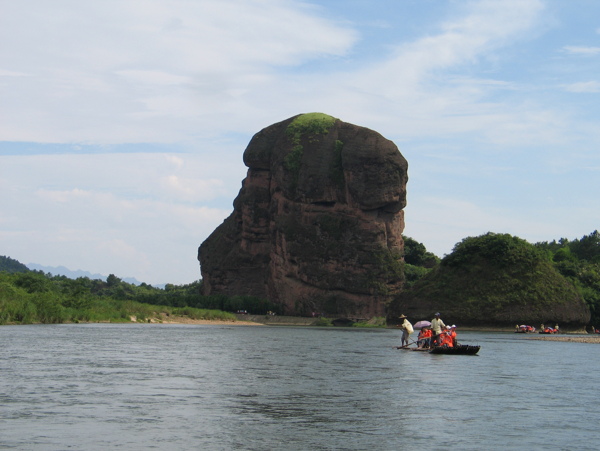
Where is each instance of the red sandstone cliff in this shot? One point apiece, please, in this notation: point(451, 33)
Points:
point(317, 224)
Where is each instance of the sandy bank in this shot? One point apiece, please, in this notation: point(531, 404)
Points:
point(185, 320)
point(175, 319)
point(278, 320)
point(244, 320)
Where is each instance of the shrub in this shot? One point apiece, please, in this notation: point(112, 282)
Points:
point(323, 322)
point(376, 321)
point(49, 309)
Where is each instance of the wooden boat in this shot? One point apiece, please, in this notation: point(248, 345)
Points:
point(460, 349)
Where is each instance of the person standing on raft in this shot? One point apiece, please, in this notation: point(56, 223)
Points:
point(407, 329)
point(453, 335)
point(437, 326)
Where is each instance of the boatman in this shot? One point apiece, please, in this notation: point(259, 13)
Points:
point(437, 326)
point(407, 329)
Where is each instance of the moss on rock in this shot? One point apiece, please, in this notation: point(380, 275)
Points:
point(309, 124)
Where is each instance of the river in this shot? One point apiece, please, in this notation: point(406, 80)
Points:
point(220, 387)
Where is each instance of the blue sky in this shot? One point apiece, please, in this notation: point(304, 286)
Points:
point(123, 122)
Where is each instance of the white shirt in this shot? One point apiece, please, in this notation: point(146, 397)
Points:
point(437, 325)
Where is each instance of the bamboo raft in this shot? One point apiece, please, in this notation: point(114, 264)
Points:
point(456, 350)
point(460, 349)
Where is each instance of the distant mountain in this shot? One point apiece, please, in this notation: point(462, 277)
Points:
point(64, 271)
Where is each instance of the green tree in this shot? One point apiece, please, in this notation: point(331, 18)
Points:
point(112, 280)
point(11, 265)
point(494, 279)
point(33, 281)
point(416, 254)
point(49, 308)
point(579, 261)
point(588, 247)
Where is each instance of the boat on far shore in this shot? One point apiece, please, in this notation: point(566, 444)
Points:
point(524, 329)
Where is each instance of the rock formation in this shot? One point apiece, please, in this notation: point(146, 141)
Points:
point(317, 224)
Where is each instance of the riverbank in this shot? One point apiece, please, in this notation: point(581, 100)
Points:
point(240, 320)
point(277, 320)
point(179, 319)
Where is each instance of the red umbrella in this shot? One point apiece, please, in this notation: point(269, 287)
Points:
point(422, 324)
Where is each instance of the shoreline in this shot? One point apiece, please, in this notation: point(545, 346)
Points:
point(177, 319)
point(185, 320)
point(578, 336)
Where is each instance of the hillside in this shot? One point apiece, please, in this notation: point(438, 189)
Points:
point(494, 279)
point(11, 265)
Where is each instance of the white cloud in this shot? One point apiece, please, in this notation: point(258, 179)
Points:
point(488, 26)
point(191, 189)
point(182, 70)
point(411, 95)
point(8, 73)
point(113, 213)
point(63, 196)
point(153, 77)
point(131, 70)
point(579, 50)
point(202, 76)
point(584, 87)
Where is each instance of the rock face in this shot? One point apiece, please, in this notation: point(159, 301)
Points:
point(317, 225)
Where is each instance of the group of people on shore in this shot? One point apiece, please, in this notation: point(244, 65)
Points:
point(526, 329)
point(435, 334)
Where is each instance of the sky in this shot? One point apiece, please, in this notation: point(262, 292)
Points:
point(123, 122)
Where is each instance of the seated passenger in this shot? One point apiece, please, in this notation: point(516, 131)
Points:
point(424, 338)
point(446, 339)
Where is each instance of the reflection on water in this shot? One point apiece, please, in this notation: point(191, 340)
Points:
point(181, 387)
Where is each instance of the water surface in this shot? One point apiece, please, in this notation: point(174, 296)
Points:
point(216, 387)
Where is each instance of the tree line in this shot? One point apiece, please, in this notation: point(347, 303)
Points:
point(32, 296)
point(35, 297)
point(578, 260)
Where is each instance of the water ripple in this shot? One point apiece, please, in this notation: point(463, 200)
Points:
point(139, 387)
